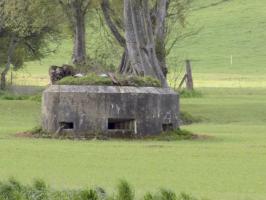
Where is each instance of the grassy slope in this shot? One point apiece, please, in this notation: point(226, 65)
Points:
point(230, 166)
point(236, 27)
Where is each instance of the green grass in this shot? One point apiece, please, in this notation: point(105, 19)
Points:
point(229, 165)
point(17, 116)
point(94, 79)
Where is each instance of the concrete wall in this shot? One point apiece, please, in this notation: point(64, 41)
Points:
point(90, 107)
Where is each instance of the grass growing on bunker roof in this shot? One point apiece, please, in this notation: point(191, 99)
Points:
point(93, 79)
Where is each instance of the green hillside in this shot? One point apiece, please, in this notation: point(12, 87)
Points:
point(232, 28)
point(235, 27)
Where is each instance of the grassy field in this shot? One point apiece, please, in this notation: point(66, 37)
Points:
point(229, 165)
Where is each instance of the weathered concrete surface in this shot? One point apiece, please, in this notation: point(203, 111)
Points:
point(109, 109)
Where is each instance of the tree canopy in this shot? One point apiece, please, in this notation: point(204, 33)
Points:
point(140, 27)
point(26, 29)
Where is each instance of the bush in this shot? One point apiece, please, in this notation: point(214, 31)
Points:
point(93, 79)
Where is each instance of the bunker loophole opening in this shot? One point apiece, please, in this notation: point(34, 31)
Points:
point(168, 127)
point(66, 125)
point(121, 124)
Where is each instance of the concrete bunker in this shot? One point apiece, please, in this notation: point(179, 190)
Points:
point(109, 110)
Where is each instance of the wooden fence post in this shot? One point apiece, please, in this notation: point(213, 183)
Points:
point(189, 78)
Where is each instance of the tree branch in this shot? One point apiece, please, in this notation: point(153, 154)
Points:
point(84, 11)
point(106, 12)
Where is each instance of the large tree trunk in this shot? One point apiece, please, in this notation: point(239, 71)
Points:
point(140, 40)
point(75, 11)
point(79, 49)
point(144, 49)
point(125, 65)
point(10, 52)
point(160, 32)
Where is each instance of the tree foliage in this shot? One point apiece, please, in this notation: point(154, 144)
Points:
point(26, 29)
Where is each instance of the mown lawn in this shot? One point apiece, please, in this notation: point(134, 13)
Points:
point(18, 116)
point(229, 165)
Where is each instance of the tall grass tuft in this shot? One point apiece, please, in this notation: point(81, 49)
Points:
point(125, 191)
point(89, 194)
point(38, 191)
point(167, 195)
point(184, 196)
point(190, 94)
point(13, 190)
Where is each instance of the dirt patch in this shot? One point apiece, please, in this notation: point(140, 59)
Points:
point(201, 137)
point(24, 135)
